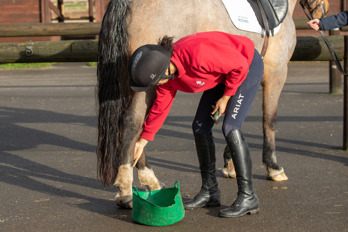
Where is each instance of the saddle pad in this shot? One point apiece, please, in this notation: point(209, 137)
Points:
point(243, 16)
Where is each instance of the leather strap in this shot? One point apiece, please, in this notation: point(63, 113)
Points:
point(333, 54)
point(264, 46)
point(264, 20)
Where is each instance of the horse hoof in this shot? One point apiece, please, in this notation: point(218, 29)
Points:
point(228, 170)
point(276, 175)
point(124, 202)
point(228, 173)
point(161, 186)
point(148, 179)
point(280, 177)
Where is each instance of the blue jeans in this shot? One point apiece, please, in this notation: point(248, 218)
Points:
point(238, 105)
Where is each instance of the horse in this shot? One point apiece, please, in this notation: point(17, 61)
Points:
point(128, 25)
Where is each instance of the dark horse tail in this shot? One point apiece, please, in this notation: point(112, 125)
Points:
point(113, 91)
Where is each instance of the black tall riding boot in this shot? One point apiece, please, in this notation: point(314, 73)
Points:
point(209, 196)
point(246, 201)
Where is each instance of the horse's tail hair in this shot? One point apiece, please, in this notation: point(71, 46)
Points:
point(113, 91)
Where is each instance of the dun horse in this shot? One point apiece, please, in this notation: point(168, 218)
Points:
point(130, 24)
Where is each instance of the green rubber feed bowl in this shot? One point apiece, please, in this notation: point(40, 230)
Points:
point(158, 208)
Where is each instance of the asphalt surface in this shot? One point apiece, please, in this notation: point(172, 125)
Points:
point(48, 164)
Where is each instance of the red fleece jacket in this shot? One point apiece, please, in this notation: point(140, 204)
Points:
point(203, 60)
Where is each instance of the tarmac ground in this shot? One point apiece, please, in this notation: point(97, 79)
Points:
point(48, 163)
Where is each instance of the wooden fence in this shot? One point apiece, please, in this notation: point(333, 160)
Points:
point(48, 29)
point(76, 29)
point(308, 48)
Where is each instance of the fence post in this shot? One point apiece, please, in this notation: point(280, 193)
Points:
point(345, 100)
point(99, 10)
point(45, 13)
point(90, 10)
point(336, 78)
point(60, 4)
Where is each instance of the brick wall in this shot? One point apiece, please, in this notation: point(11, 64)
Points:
point(28, 11)
point(22, 11)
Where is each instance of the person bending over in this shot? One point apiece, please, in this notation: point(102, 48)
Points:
point(228, 70)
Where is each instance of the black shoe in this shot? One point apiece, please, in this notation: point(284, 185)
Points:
point(243, 205)
point(203, 199)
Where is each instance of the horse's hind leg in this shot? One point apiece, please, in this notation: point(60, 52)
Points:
point(124, 182)
point(131, 131)
point(272, 83)
point(146, 175)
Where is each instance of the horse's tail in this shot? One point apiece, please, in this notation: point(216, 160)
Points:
point(113, 91)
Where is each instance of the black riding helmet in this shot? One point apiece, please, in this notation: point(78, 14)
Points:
point(147, 66)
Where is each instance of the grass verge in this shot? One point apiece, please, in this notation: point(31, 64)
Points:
point(25, 65)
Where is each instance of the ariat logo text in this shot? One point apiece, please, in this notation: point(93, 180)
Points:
point(237, 106)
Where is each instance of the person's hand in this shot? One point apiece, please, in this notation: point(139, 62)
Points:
point(221, 105)
point(139, 149)
point(315, 24)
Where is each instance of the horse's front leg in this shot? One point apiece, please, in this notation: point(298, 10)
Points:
point(146, 175)
point(272, 83)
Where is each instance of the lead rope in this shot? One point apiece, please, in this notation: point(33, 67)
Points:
point(328, 44)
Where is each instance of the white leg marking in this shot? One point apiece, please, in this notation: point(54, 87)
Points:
point(124, 182)
point(147, 178)
point(276, 175)
point(229, 171)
